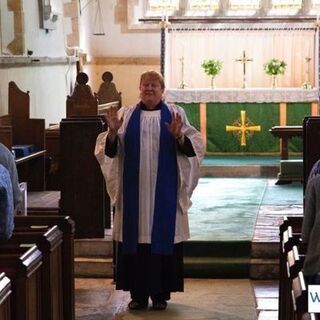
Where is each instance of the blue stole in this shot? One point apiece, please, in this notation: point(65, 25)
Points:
point(165, 207)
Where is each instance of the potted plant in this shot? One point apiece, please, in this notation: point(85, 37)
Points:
point(212, 68)
point(273, 68)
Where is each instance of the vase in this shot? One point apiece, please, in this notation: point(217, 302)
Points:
point(274, 81)
point(213, 83)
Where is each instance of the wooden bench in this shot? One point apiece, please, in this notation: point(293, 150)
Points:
point(49, 242)
point(5, 297)
point(299, 295)
point(26, 131)
point(290, 231)
point(24, 270)
point(67, 226)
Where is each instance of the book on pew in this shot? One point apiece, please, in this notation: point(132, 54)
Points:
point(22, 150)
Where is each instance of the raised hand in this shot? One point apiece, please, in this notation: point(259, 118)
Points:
point(175, 125)
point(114, 123)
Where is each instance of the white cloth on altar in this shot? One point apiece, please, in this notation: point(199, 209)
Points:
point(188, 172)
point(254, 95)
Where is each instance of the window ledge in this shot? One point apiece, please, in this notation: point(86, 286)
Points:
point(22, 61)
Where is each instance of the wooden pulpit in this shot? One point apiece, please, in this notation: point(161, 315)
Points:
point(83, 192)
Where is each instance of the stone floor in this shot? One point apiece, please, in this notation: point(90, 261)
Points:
point(97, 299)
point(203, 299)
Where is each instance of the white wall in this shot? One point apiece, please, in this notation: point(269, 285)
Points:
point(121, 41)
point(42, 43)
point(118, 40)
point(49, 85)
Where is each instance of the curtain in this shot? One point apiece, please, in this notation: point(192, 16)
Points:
point(195, 46)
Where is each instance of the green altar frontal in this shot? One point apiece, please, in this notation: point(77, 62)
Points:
point(250, 113)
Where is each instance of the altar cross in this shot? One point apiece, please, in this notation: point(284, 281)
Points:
point(244, 60)
point(243, 128)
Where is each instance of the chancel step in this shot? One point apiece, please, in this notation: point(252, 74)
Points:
point(93, 257)
point(264, 269)
point(93, 247)
point(93, 267)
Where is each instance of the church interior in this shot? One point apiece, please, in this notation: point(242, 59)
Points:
point(245, 72)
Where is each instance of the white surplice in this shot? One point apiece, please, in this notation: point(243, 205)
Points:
point(188, 172)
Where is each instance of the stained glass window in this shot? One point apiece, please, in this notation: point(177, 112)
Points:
point(315, 6)
point(244, 4)
point(285, 7)
point(163, 5)
point(203, 5)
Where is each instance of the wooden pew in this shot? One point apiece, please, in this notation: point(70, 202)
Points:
point(289, 241)
point(300, 300)
point(25, 273)
point(67, 226)
point(5, 297)
point(290, 231)
point(49, 243)
point(25, 131)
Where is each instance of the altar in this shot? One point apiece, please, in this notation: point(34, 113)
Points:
point(212, 110)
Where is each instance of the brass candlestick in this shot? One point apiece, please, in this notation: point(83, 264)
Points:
point(182, 83)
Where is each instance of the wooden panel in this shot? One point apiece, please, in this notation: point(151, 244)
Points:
point(49, 241)
point(5, 297)
point(25, 273)
point(311, 150)
point(83, 193)
point(19, 102)
point(25, 131)
point(82, 102)
point(6, 136)
point(67, 226)
point(53, 179)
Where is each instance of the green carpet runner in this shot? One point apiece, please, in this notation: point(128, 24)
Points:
point(222, 221)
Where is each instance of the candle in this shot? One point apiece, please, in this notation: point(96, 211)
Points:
point(167, 18)
point(162, 17)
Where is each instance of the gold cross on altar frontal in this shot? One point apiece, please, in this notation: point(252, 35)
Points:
point(244, 60)
point(244, 128)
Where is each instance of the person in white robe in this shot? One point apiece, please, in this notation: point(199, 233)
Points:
point(150, 157)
